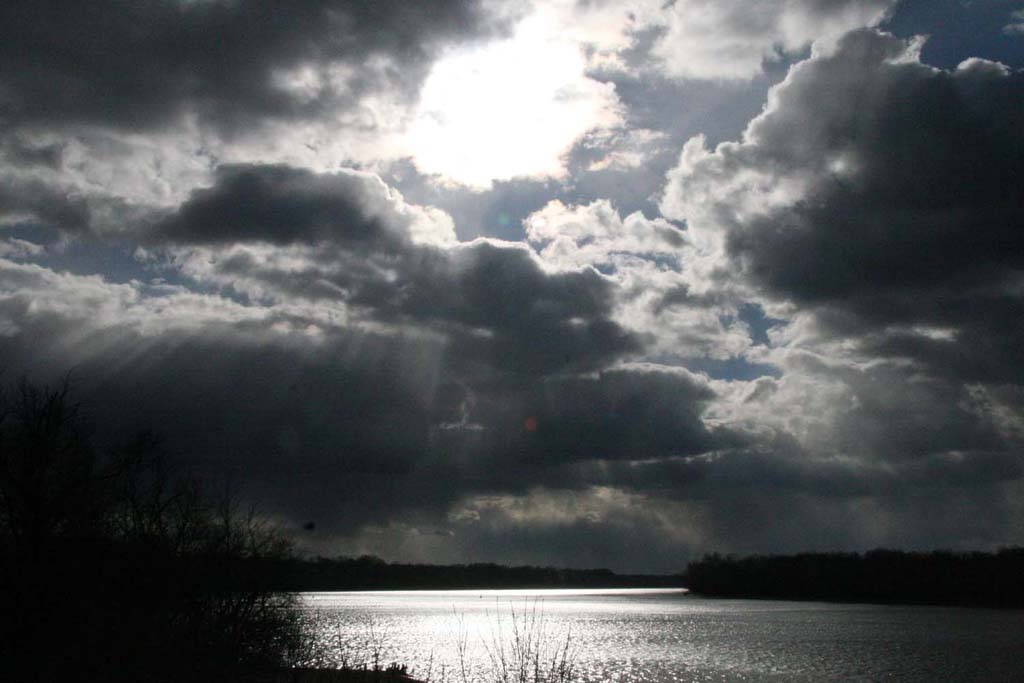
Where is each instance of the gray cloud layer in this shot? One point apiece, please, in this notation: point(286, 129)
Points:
point(336, 347)
point(141, 65)
point(897, 202)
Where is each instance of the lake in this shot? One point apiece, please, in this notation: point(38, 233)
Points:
point(662, 635)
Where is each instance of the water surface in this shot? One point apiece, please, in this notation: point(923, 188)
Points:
point(661, 635)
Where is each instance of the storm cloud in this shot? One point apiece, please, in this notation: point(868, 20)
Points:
point(881, 194)
point(229, 63)
point(798, 330)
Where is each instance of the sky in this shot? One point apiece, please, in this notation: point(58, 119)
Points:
point(582, 283)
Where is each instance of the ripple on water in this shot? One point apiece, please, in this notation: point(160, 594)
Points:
point(658, 636)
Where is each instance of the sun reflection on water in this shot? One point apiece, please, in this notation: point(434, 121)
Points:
point(659, 635)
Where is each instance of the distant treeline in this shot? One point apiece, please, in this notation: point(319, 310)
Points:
point(883, 576)
point(372, 573)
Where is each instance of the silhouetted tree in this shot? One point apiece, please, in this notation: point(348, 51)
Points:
point(114, 566)
point(47, 468)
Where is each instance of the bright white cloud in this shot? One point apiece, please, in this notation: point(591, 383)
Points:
point(731, 39)
point(659, 293)
point(623, 149)
point(571, 237)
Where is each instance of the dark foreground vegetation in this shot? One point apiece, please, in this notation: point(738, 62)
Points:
point(113, 569)
point(880, 576)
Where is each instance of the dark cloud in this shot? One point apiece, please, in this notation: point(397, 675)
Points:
point(141, 65)
point(625, 414)
point(34, 201)
point(633, 412)
point(19, 152)
point(873, 205)
point(848, 274)
point(285, 205)
point(504, 310)
point(357, 242)
point(343, 427)
point(896, 416)
point(334, 434)
point(899, 199)
point(386, 438)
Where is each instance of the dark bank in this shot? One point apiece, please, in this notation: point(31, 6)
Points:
point(879, 576)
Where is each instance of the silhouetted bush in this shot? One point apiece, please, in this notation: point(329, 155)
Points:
point(940, 577)
point(112, 568)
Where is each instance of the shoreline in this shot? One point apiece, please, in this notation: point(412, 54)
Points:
point(315, 675)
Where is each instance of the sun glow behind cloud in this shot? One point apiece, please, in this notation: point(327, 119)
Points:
point(509, 108)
